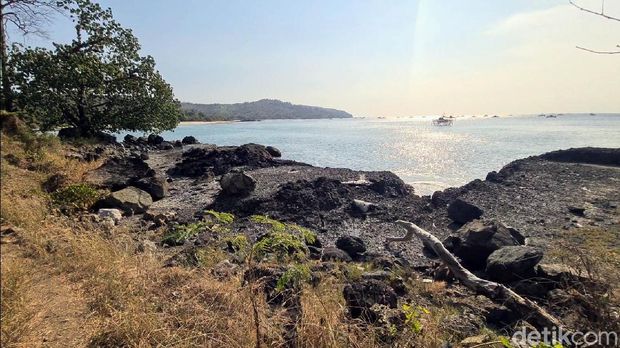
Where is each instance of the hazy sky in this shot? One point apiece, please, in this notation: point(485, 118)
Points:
point(383, 57)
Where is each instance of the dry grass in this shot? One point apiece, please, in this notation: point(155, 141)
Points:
point(132, 301)
point(594, 252)
point(15, 316)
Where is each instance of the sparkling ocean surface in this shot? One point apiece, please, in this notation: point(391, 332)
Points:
point(428, 157)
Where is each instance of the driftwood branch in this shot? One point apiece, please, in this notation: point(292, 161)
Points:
point(495, 291)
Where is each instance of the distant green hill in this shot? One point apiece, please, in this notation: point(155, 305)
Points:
point(264, 109)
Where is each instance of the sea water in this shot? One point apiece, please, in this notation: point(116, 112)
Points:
point(428, 157)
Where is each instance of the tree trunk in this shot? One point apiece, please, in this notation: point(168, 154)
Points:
point(7, 95)
point(84, 123)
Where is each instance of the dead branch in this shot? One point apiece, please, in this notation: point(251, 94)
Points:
point(602, 13)
point(598, 52)
point(495, 291)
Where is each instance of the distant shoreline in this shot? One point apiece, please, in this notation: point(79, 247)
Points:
point(186, 123)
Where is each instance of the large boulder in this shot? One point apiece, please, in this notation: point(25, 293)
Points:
point(189, 140)
point(130, 139)
point(157, 186)
point(273, 151)
point(165, 145)
point(476, 240)
point(131, 200)
point(114, 215)
point(119, 172)
point(237, 184)
point(155, 139)
point(513, 263)
point(361, 296)
point(354, 246)
point(335, 254)
point(390, 185)
point(463, 212)
point(55, 182)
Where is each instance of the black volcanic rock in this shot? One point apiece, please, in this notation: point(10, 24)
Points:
point(354, 246)
point(220, 160)
point(463, 212)
point(589, 155)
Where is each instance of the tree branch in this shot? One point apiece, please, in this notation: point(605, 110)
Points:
point(602, 13)
point(598, 52)
point(495, 291)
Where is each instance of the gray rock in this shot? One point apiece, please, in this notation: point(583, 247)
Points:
point(361, 296)
point(463, 212)
point(160, 218)
point(157, 186)
point(131, 200)
point(55, 182)
point(363, 206)
point(559, 273)
point(273, 151)
point(478, 239)
point(224, 269)
point(513, 263)
point(190, 140)
point(155, 139)
point(130, 139)
point(110, 213)
point(165, 146)
point(335, 254)
point(354, 246)
point(237, 184)
point(119, 172)
point(147, 246)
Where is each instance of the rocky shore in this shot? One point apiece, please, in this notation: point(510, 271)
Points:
point(500, 227)
point(540, 196)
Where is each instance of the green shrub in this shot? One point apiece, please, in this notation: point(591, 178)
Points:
point(294, 277)
point(276, 225)
point(281, 245)
point(181, 233)
point(412, 316)
point(224, 218)
point(76, 197)
point(238, 243)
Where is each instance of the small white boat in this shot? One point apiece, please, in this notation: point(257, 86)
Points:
point(443, 121)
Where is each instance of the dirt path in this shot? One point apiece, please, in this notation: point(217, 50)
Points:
point(60, 314)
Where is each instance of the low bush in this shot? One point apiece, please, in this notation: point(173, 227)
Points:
point(180, 233)
point(76, 197)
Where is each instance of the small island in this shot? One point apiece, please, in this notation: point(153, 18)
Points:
point(264, 109)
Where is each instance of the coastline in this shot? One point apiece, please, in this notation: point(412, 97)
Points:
point(187, 123)
point(530, 190)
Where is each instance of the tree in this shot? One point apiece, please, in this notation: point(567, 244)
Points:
point(28, 17)
point(98, 82)
point(601, 14)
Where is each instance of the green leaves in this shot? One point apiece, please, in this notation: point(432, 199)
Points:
point(412, 316)
point(98, 82)
point(293, 277)
point(284, 241)
point(76, 197)
point(180, 233)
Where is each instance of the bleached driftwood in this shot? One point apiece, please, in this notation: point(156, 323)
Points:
point(494, 291)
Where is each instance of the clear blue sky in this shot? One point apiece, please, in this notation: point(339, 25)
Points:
point(378, 57)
